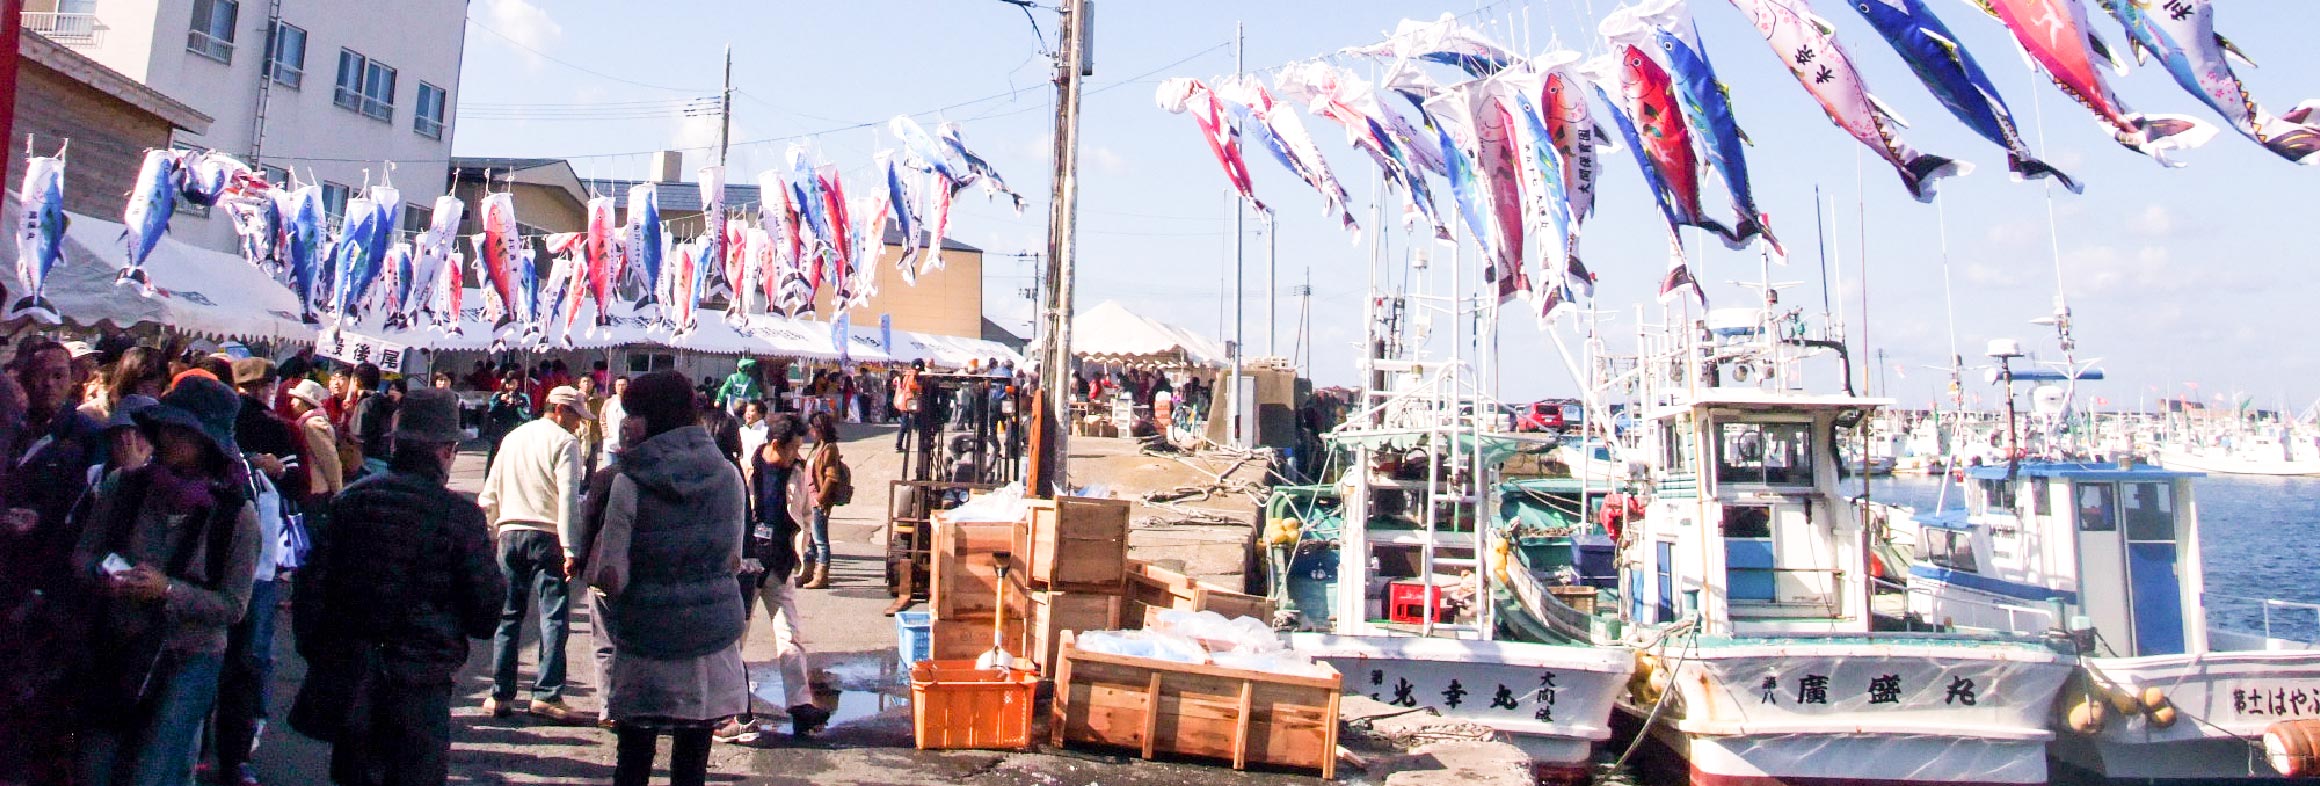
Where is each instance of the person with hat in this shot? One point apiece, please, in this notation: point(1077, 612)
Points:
point(386, 603)
point(531, 496)
point(167, 553)
point(325, 475)
point(370, 415)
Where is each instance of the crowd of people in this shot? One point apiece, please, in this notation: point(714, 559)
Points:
point(161, 508)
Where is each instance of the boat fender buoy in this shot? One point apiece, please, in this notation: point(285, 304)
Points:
point(2087, 715)
point(2126, 702)
point(2293, 747)
point(2163, 716)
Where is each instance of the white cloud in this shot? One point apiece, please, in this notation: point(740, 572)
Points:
point(528, 25)
point(2155, 222)
point(1108, 161)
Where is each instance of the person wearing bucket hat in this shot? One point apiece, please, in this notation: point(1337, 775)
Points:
point(169, 551)
point(385, 606)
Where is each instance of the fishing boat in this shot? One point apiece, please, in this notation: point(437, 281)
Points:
point(2113, 550)
point(2276, 452)
point(1391, 576)
point(1745, 586)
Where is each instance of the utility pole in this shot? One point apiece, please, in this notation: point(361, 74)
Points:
point(1240, 430)
point(725, 109)
point(1062, 248)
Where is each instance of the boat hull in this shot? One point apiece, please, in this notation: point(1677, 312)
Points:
point(2224, 701)
point(2185, 461)
point(1552, 701)
point(1861, 713)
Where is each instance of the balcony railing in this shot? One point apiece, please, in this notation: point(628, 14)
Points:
point(67, 29)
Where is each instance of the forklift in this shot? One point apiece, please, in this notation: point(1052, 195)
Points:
point(969, 437)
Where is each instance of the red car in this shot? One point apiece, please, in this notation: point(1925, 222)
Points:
point(1549, 415)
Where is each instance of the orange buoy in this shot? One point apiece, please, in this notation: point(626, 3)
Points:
point(2293, 747)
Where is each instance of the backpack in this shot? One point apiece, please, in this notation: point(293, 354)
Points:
point(840, 486)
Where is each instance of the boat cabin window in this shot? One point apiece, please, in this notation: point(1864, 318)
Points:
point(1947, 548)
point(1676, 444)
point(2149, 511)
point(2040, 503)
point(1997, 495)
point(2097, 505)
point(1747, 521)
point(1772, 454)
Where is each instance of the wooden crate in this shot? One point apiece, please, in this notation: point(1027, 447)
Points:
point(967, 638)
point(1055, 614)
point(1157, 707)
point(966, 573)
point(1154, 587)
point(1074, 543)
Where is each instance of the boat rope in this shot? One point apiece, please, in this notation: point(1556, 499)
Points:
point(1691, 629)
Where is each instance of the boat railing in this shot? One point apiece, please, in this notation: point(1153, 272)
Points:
point(1793, 589)
point(1979, 613)
point(2291, 621)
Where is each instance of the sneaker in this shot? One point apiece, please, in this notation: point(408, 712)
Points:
point(735, 732)
point(805, 719)
point(497, 707)
point(556, 710)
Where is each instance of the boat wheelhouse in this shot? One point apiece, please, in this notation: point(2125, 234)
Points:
point(2111, 551)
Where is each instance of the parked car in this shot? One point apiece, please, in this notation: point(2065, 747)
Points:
point(1557, 415)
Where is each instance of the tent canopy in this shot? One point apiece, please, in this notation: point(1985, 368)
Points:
point(753, 334)
point(197, 291)
point(1111, 333)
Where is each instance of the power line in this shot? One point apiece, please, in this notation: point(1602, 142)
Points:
point(576, 66)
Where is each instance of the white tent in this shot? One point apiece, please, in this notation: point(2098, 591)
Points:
point(1111, 333)
point(197, 291)
point(755, 334)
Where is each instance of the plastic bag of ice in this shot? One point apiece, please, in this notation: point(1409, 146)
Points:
point(1003, 504)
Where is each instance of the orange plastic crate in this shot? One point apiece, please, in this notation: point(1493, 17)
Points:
point(954, 705)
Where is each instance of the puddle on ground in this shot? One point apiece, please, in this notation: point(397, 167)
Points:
point(852, 687)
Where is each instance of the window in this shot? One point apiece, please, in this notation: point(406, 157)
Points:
point(350, 75)
point(1747, 521)
point(1947, 548)
point(416, 218)
point(2149, 511)
point(2097, 507)
point(645, 364)
point(211, 34)
point(365, 85)
point(286, 55)
point(1772, 454)
point(1998, 495)
point(276, 176)
point(379, 92)
point(427, 114)
point(2041, 502)
point(334, 197)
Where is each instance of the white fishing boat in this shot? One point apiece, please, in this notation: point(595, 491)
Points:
point(1746, 587)
point(2280, 453)
point(2113, 550)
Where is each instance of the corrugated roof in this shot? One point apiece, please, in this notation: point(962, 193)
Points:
point(683, 197)
point(39, 49)
point(501, 164)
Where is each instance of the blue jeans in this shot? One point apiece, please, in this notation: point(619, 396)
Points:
point(534, 565)
point(818, 538)
point(157, 747)
point(242, 689)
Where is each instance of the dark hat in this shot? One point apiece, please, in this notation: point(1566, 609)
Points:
point(251, 371)
point(125, 412)
point(429, 415)
point(201, 404)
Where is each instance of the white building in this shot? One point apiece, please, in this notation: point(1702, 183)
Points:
point(324, 88)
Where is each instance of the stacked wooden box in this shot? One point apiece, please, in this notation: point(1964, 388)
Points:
point(1152, 588)
point(1074, 558)
point(1067, 563)
point(1158, 707)
point(965, 592)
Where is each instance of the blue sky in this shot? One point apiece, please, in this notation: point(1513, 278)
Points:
point(2198, 274)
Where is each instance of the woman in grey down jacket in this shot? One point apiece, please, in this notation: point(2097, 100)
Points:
point(676, 622)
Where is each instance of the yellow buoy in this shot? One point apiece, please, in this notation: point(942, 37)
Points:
point(2163, 716)
point(2124, 701)
point(2086, 716)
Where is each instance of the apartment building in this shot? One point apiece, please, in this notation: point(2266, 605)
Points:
point(330, 90)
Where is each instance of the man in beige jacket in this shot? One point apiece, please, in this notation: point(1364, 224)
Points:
point(531, 496)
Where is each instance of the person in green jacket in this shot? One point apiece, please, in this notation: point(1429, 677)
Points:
point(741, 387)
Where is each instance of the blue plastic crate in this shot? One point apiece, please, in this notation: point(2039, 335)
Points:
point(914, 636)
